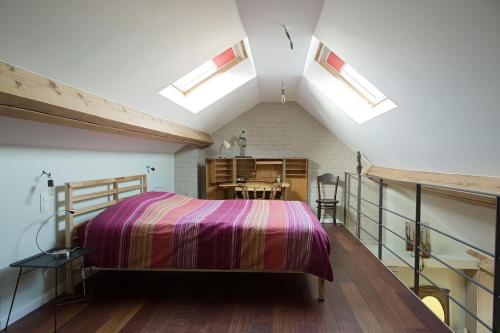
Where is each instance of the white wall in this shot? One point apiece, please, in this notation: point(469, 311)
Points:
point(484, 302)
point(445, 279)
point(439, 61)
point(274, 130)
point(21, 166)
point(189, 172)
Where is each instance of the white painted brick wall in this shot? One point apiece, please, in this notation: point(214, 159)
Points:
point(189, 164)
point(273, 130)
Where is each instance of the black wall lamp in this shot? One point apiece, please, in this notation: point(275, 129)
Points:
point(50, 181)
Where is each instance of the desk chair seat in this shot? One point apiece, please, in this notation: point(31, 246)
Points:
point(327, 203)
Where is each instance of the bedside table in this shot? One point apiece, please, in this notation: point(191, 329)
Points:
point(43, 260)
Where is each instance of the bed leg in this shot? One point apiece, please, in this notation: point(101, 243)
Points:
point(321, 289)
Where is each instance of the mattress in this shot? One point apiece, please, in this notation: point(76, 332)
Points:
point(161, 230)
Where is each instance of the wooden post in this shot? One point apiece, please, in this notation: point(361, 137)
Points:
point(144, 182)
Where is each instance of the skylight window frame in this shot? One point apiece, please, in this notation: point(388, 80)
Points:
point(240, 55)
point(321, 57)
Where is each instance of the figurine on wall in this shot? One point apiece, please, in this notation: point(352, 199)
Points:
point(242, 142)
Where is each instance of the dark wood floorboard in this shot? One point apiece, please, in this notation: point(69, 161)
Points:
point(365, 297)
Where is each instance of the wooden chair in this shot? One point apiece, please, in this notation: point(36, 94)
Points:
point(328, 203)
point(266, 192)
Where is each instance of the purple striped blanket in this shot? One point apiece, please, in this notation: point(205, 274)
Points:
point(166, 230)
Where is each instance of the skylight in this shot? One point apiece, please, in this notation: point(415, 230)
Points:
point(213, 79)
point(344, 85)
point(223, 61)
point(338, 67)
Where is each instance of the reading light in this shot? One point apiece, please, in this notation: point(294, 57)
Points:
point(226, 145)
point(150, 168)
point(283, 97)
point(63, 253)
point(50, 181)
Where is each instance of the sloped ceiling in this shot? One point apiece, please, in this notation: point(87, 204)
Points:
point(130, 50)
point(439, 61)
point(126, 50)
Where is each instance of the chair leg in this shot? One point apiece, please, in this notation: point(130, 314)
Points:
point(335, 215)
point(318, 214)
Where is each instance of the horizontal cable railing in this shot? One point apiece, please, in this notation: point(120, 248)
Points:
point(477, 248)
point(426, 252)
point(418, 250)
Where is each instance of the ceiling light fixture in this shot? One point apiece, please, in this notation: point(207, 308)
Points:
point(288, 36)
point(283, 97)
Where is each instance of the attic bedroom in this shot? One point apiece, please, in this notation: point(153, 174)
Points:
point(159, 156)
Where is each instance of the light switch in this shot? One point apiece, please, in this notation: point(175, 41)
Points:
point(44, 202)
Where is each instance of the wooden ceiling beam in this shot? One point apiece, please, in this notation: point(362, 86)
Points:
point(26, 95)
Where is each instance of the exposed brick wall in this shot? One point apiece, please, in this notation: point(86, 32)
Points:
point(272, 130)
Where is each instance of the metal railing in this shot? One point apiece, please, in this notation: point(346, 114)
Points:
point(416, 244)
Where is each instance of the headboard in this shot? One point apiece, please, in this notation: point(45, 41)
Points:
point(82, 197)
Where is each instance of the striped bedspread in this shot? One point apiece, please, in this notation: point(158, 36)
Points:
point(167, 230)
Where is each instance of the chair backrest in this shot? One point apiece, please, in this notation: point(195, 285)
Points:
point(261, 192)
point(328, 179)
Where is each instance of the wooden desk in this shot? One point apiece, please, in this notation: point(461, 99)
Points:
point(221, 175)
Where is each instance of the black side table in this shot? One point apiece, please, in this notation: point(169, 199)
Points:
point(43, 260)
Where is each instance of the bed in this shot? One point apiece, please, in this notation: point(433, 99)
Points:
point(168, 231)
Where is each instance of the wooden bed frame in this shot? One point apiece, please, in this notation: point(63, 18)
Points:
point(77, 196)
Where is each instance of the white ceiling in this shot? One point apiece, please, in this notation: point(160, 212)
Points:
point(439, 61)
point(274, 61)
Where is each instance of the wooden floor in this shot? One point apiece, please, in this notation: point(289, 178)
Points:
point(365, 297)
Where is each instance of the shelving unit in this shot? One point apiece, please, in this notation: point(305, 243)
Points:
point(246, 168)
point(222, 171)
point(296, 167)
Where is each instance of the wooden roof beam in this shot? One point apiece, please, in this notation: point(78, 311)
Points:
point(30, 96)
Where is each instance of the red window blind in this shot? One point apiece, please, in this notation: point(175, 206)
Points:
point(335, 61)
point(224, 57)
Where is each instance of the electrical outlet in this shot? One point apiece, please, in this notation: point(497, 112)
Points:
point(44, 202)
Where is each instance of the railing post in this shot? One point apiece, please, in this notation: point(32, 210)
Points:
point(346, 196)
point(359, 168)
point(416, 247)
point(496, 283)
point(380, 211)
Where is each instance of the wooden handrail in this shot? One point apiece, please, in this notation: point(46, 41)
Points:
point(472, 189)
